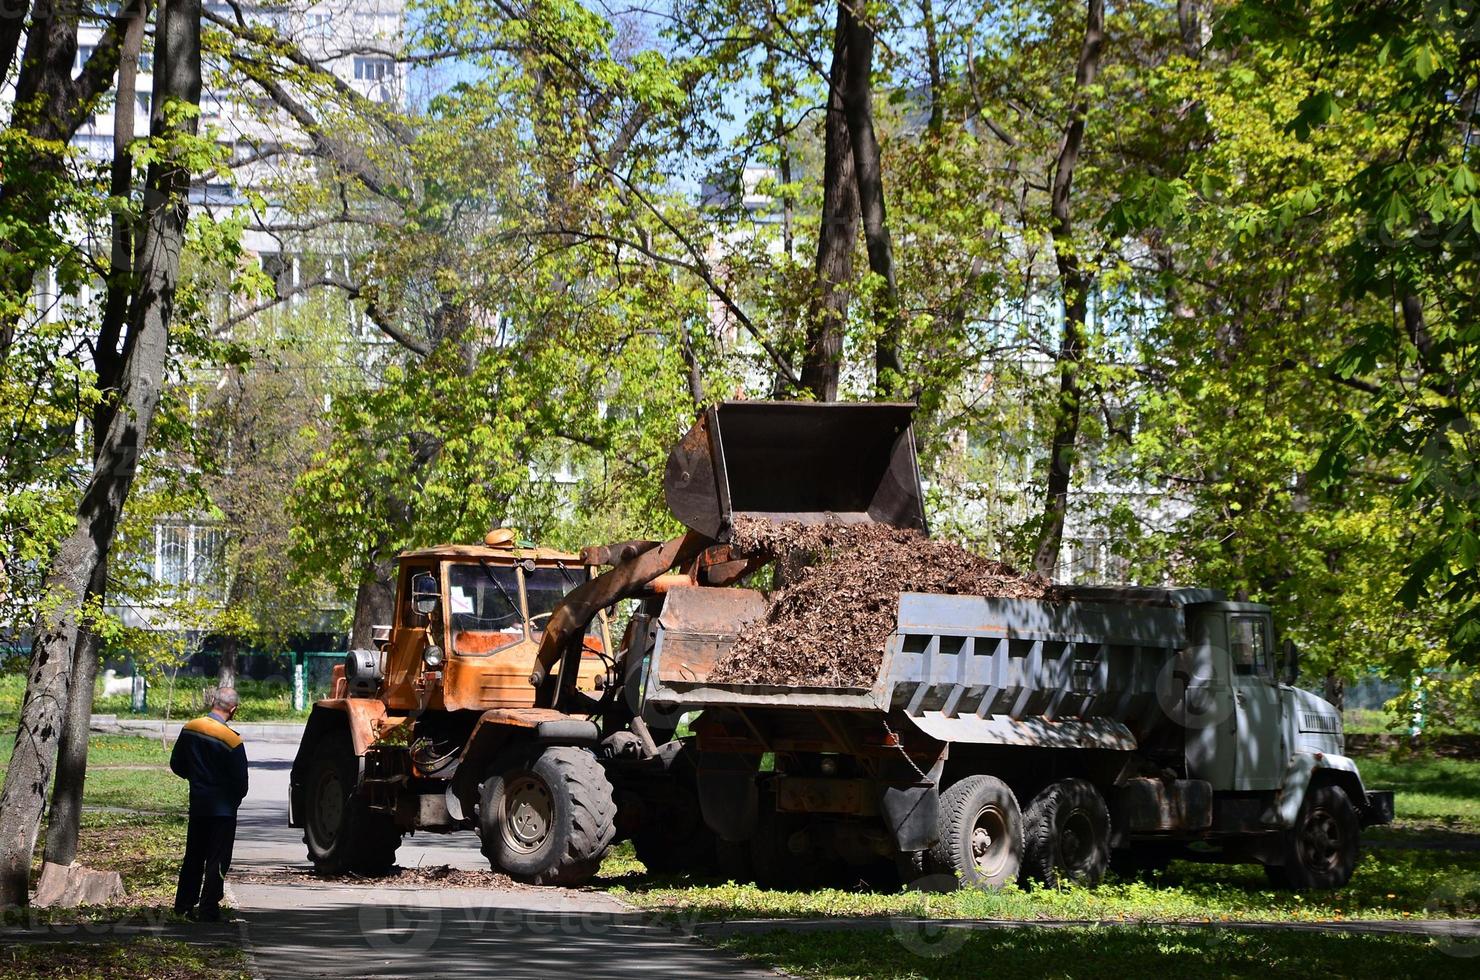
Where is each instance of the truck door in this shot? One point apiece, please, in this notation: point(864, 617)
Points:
point(1259, 750)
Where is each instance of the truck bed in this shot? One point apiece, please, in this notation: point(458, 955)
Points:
point(962, 668)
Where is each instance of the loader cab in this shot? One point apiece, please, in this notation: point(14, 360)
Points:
point(1235, 732)
point(469, 620)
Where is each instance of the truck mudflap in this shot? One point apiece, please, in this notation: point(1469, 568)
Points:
point(1378, 809)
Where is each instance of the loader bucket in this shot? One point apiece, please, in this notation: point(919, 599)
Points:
point(812, 462)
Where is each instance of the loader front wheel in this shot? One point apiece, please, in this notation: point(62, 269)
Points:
point(981, 834)
point(342, 833)
point(547, 815)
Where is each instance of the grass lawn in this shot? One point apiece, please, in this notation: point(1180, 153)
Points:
point(1124, 953)
point(124, 959)
point(260, 701)
point(125, 771)
point(1438, 802)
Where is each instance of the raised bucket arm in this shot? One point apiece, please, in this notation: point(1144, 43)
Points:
point(811, 462)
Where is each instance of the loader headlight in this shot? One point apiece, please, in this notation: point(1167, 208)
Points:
point(829, 765)
point(432, 657)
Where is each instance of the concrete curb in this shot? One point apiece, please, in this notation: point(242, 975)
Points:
point(251, 731)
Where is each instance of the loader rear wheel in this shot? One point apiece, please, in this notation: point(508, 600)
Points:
point(981, 834)
point(1321, 850)
point(344, 836)
point(547, 815)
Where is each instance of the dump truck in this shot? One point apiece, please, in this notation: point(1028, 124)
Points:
point(1000, 739)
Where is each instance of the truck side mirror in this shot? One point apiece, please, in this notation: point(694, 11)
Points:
point(1290, 663)
point(424, 593)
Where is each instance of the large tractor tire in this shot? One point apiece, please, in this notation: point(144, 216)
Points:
point(981, 834)
point(344, 836)
point(547, 816)
point(1066, 835)
point(1321, 850)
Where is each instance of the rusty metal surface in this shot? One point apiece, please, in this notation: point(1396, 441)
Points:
point(585, 601)
point(810, 794)
point(1149, 805)
point(366, 716)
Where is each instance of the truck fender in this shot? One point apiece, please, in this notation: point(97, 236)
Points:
point(495, 730)
point(326, 716)
point(1304, 769)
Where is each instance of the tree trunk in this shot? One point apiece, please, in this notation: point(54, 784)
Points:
point(226, 672)
point(1189, 26)
point(375, 602)
point(1335, 690)
point(827, 318)
point(932, 58)
point(176, 80)
point(64, 821)
point(1075, 282)
point(868, 172)
point(49, 106)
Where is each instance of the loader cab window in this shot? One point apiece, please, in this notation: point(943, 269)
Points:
point(545, 587)
point(483, 606)
point(1248, 642)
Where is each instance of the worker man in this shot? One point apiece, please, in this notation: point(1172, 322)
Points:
point(209, 754)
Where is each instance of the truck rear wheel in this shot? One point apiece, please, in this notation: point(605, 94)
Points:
point(981, 834)
point(1321, 850)
point(547, 815)
point(342, 833)
point(1067, 835)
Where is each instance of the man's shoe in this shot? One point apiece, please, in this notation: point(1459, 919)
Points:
point(207, 915)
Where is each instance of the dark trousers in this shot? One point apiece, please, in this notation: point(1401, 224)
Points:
point(208, 844)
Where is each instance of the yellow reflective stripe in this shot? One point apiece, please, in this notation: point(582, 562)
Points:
point(211, 728)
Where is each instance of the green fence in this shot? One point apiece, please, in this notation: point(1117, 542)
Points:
point(313, 674)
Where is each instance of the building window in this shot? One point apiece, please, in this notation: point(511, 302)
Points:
point(173, 562)
point(372, 69)
point(190, 556)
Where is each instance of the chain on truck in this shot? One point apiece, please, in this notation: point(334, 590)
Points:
point(1001, 738)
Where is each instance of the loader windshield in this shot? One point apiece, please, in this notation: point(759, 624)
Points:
point(483, 607)
point(545, 587)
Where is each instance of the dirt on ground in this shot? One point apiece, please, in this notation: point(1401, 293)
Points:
point(438, 875)
point(827, 625)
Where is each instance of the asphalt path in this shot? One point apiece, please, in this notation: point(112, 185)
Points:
point(309, 929)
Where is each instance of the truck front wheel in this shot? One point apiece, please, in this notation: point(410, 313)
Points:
point(342, 833)
point(1321, 850)
point(547, 815)
point(1067, 837)
point(981, 834)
